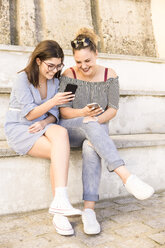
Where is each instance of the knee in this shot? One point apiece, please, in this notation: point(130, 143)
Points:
point(58, 132)
point(61, 133)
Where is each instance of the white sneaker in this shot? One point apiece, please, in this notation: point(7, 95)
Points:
point(62, 225)
point(138, 188)
point(91, 225)
point(62, 206)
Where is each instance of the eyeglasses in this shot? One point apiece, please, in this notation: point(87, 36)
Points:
point(81, 43)
point(51, 67)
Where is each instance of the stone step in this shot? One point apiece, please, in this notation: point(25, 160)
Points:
point(139, 112)
point(25, 184)
point(135, 72)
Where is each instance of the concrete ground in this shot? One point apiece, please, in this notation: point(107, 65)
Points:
point(125, 222)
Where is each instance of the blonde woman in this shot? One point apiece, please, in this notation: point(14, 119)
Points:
point(87, 126)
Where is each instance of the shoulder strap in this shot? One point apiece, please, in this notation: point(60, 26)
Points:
point(105, 74)
point(74, 73)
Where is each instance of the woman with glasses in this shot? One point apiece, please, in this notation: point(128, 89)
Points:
point(87, 124)
point(32, 124)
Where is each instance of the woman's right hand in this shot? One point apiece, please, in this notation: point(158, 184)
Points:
point(63, 97)
point(91, 112)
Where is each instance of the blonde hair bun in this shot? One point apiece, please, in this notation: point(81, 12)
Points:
point(87, 33)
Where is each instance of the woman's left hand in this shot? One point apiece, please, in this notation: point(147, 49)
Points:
point(37, 126)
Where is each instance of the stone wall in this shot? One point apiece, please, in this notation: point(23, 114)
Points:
point(158, 20)
point(124, 26)
point(127, 27)
point(4, 22)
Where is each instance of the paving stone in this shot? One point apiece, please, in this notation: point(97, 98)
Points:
point(129, 208)
point(71, 245)
point(6, 246)
point(136, 243)
point(124, 223)
point(153, 200)
point(105, 204)
point(38, 217)
point(12, 225)
point(12, 237)
point(150, 213)
point(56, 239)
point(107, 212)
point(127, 200)
point(128, 217)
point(36, 243)
point(38, 230)
point(100, 239)
point(133, 230)
point(162, 193)
point(158, 223)
point(158, 237)
point(108, 224)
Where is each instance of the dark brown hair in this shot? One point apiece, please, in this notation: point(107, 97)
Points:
point(44, 50)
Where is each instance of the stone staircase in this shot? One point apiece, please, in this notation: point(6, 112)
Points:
point(138, 131)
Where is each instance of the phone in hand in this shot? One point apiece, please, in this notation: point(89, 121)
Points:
point(71, 87)
point(93, 105)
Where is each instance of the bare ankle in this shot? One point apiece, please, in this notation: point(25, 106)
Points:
point(123, 173)
point(89, 204)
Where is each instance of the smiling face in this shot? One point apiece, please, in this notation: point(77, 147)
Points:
point(85, 61)
point(48, 68)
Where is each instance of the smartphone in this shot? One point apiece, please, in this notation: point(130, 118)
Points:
point(71, 87)
point(93, 105)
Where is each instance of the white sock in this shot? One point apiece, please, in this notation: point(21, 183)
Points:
point(61, 192)
point(61, 198)
point(88, 210)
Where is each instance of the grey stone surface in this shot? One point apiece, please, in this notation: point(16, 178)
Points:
point(119, 230)
point(126, 25)
point(19, 195)
point(64, 19)
point(4, 22)
point(121, 141)
point(26, 23)
point(158, 237)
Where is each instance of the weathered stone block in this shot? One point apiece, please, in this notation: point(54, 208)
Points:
point(4, 22)
point(26, 23)
point(127, 27)
point(64, 18)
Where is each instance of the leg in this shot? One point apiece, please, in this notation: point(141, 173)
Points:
point(91, 174)
point(91, 169)
point(42, 149)
point(123, 173)
point(103, 144)
point(106, 149)
point(58, 151)
point(55, 147)
point(98, 135)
